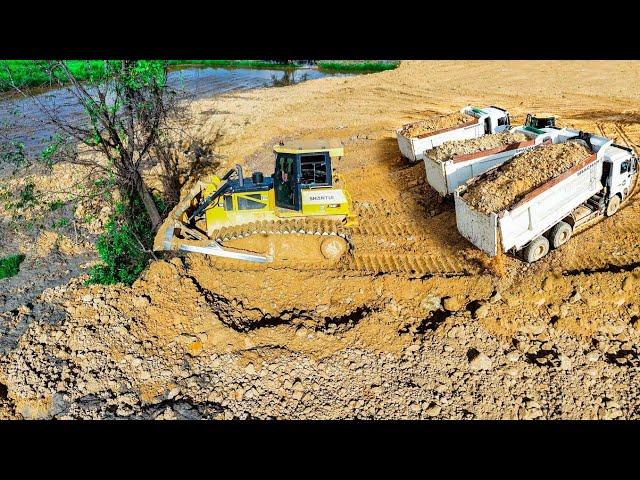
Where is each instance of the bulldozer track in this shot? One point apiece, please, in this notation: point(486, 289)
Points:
point(413, 264)
point(368, 263)
point(283, 227)
point(365, 261)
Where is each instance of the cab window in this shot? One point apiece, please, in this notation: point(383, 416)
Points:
point(250, 202)
point(624, 167)
point(228, 202)
point(313, 169)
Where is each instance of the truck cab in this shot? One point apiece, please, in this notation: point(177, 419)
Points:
point(496, 119)
point(538, 122)
point(619, 168)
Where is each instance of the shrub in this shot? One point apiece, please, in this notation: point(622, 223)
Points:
point(125, 246)
point(10, 266)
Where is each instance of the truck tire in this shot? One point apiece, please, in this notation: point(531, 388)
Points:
point(613, 205)
point(536, 249)
point(560, 234)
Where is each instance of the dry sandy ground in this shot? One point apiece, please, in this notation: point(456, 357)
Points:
point(419, 324)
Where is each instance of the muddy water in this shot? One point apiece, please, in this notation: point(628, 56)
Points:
point(22, 119)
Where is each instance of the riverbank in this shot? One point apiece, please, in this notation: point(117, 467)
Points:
point(30, 73)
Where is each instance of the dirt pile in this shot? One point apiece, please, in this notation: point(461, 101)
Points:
point(438, 348)
point(462, 147)
point(524, 173)
point(435, 123)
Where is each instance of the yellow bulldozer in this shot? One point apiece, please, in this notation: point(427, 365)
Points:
point(301, 212)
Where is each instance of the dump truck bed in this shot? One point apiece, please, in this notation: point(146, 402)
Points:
point(446, 176)
point(515, 226)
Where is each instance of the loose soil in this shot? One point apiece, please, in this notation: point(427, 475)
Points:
point(432, 124)
point(420, 325)
point(448, 150)
point(504, 186)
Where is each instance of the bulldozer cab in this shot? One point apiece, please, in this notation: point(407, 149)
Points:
point(301, 166)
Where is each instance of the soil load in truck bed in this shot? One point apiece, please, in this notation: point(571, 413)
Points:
point(433, 124)
point(448, 150)
point(506, 185)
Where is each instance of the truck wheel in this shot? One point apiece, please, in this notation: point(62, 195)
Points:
point(613, 206)
point(560, 234)
point(537, 249)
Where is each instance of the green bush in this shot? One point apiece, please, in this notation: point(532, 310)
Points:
point(10, 266)
point(356, 66)
point(124, 247)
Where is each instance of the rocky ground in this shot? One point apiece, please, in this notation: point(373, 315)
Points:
point(418, 325)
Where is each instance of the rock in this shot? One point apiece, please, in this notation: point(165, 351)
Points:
point(482, 311)
point(140, 301)
point(480, 362)
point(411, 349)
point(455, 332)
point(628, 283)
point(250, 369)
point(194, 349)
point(431, 303)
point(565, 362)
point(452, 304)
point(496, 297)
point(593, 356)
point(513, 356)
point(433, 410)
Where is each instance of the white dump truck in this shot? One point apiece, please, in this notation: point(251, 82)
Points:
point(547, 216)
point(482, 121)
point(445, 176)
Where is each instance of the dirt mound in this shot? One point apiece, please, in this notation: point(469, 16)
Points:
point(462, 147)
point(435, 123)
point(504, 186)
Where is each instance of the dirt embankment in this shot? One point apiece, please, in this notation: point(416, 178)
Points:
point(435, 123)
point(524, 173)
point(448, 150)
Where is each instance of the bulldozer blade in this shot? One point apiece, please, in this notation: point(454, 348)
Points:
point(217, 250)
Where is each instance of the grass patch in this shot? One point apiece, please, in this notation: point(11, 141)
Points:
point(357, 66)
point(10, 266)
point(31, 73)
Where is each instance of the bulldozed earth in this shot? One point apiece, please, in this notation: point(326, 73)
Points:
point(448, 150)
point(507, 184)
point(435, 123)
point(416, 324)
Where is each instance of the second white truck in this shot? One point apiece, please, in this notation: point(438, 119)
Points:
point(446, 175)
point(546, 217)
point(481, 121)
